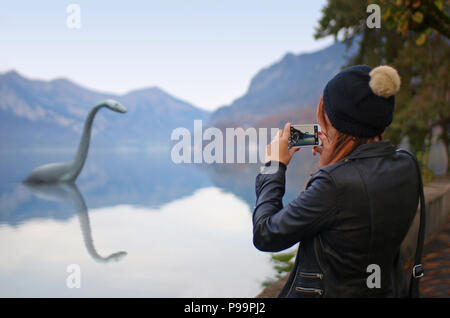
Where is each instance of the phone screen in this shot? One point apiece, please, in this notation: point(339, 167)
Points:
point(304, 135)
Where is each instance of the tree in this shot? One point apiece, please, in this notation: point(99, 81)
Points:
point(414, 38)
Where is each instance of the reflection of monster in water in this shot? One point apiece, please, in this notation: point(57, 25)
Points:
point(68, 192)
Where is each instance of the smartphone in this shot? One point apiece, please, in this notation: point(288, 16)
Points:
point(304, 136)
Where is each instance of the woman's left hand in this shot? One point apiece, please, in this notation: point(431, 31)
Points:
point(324, 151)
point(281, 143)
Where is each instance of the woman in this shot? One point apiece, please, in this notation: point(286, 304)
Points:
point(357, 208)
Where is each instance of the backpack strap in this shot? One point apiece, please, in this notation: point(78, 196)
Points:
point(417, 269)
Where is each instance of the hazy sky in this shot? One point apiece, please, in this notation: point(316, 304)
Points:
point(202, 51)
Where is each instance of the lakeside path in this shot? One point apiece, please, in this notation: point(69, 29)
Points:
point(436, 261)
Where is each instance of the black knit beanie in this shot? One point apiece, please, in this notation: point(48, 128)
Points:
point(360, 101)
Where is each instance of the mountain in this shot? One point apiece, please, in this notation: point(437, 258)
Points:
point(40, 114)
point(288, 89)
point(50, 114)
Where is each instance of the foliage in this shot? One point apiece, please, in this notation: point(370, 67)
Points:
point(283, 264)
point(414, 38)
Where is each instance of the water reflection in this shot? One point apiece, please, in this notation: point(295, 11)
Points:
point(186, 228)
point(69, 193)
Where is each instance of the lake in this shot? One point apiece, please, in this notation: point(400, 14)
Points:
point(136, 225)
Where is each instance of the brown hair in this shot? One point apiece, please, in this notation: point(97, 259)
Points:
point(342, 144)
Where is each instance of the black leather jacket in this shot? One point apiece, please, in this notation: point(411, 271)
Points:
point(352, 214)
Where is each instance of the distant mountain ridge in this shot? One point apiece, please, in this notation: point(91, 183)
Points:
point(51, 114)
point(285, 89)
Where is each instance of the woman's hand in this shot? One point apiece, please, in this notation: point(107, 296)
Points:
point(324, 150)
point(278, 149)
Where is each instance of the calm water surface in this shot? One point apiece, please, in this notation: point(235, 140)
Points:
point(135, 223)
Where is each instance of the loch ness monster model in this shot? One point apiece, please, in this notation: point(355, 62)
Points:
point(69, 171)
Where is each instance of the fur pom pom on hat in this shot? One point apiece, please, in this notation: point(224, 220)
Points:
point(384, 81)
point(359, 101)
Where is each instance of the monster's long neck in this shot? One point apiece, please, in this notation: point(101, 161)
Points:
point(83, 147)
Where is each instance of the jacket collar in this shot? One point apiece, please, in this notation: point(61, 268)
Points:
point(373, 149)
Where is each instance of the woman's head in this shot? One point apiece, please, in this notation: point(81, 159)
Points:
point(356, 107)
point(342, 144)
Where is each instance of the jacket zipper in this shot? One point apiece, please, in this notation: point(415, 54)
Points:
point(310, 290)
point(311, 275)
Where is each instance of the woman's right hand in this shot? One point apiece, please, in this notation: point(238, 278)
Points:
point(278, 149)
